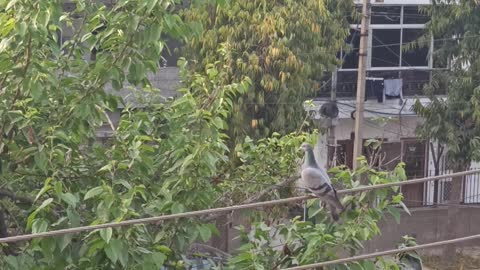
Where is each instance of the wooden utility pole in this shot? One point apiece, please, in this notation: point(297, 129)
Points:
point(332, 143)
point(362, 70)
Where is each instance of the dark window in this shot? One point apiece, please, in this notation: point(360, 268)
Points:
point(417, 56)
point(386, 14)
point(347, 83)
point(170, 53)
point(350, 58)
point(413, 15)
point(414, 81)
point(386, 48)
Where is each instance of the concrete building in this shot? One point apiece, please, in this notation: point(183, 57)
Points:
point(396, 75)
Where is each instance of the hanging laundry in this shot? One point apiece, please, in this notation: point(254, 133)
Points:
point(374, 89)
point(393, 88)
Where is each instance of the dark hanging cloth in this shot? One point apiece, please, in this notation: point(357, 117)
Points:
point(374, 90)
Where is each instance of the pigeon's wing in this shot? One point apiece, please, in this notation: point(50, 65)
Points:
point(324, 175)
point(316, 182)
point(313, 177)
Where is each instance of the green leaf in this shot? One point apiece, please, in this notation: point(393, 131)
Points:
point(106, 234)
point(177, 208)
point(395, 213)
point(106, 168)
point(93, 192)
point(150, 5)
point(205, 232)
point(73, 217)
point(186, 162)
point(159, 258)
point(64, 241)
point(41, 161)
point(69, 198)
point(368, 265)
point(218, 122)
point(114, 250)
point(13, 262)
point(10, 4)
point(355, 266)
point(46, 187)
point(39, 225)
point(34, 214)
point(22, 28)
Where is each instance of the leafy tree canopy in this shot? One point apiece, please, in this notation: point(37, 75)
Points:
point(283, 46)
point(454, 121)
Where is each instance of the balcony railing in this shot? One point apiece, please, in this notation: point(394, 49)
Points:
point(413, 82)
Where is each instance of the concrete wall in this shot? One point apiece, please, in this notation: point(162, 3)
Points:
point(426, 225)
point(167, 80)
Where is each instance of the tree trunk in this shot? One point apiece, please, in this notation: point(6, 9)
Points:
point(454, 201)
point(436, 163)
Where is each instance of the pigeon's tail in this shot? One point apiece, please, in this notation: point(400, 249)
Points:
point(334, 213)
point(336, 207)
point(333, 200)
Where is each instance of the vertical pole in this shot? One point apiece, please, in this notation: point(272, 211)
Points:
point(331, 142)
point(362, 66)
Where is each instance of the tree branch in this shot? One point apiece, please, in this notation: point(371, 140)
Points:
point(3, 224)
point(258, 195)
point(15, 197)
point(196, 248)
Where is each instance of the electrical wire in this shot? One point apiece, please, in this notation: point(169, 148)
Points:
point(143, 221)
point(385, 253)
point(375, 126)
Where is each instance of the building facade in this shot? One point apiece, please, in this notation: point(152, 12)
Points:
point(397, 72)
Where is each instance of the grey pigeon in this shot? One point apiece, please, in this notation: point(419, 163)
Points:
point(316, 180)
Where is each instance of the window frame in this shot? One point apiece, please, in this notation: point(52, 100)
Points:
point(400, 26)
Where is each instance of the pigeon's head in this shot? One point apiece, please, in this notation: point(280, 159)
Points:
point(305, 147)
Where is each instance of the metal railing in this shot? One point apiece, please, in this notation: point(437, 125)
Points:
point(413, 82)
point(470, 189)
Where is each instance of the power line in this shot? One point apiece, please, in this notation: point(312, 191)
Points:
point(142, 221)
point(374, 125)
point(378, 112)
point(386, 252)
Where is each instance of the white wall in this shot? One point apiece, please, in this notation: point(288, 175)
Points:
point(392, 130)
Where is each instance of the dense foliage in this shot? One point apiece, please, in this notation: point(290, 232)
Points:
point(296, 242)
point(163, 158)
point(283, 46)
